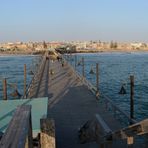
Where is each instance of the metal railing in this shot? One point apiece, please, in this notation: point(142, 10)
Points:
point(116, 109)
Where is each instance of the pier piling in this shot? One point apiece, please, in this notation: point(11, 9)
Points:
point(75, 61)
point(25, 79)
point(97, 77)
point(83, 70)
point(5, 89)
point(132, 96)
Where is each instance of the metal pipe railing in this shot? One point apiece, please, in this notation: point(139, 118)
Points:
point(93, 89)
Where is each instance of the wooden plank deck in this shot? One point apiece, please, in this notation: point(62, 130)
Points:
point(39, 110)
point(71, 105)
point(15, 135)
point(40, 82)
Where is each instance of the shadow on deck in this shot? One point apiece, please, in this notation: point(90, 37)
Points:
point(71, 104)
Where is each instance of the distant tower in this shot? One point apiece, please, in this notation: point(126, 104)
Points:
point(44, 45)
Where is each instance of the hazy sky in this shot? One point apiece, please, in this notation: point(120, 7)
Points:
point(106, 20)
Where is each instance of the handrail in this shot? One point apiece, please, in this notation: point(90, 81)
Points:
point(40, 75)
point(19, 131)
point(118, 109)
point(94, 90)
point(35, 75)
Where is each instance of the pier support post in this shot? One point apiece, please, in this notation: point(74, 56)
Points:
point(132, 96)
point(130, 142)
point(70, 59)
point(75, 61)
point(97, 78)
point(5, 89)
point(83, 71)
point(24, 79)
point(47, 138)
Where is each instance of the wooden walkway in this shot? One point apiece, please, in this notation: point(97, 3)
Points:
point(71, 105)
point(39, 86)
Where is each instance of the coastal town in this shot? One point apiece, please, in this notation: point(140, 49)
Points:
point(72, 46)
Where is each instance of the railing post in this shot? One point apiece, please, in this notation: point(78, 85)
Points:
point(83, 71)
point(70, 59)
point(5, 89)
point(47, 135)
point(97, 77)
point(31, 88)
point(130, 142)
point(131, 96)
point(24, 80)
point(75, 61)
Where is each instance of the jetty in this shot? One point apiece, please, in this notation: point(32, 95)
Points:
point(78, 115)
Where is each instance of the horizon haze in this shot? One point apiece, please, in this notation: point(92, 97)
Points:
point(74, 20)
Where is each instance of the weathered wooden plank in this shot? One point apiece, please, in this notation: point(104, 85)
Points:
point(104, 133)
point(30, 144)
point(23, 130)
point(17, 131)
point(10, 130)
point(20, 133)
point(47, 133)
point(14, 130)
point(139, 128)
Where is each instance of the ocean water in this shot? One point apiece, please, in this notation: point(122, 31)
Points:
point(12, 68)
point(114, 71)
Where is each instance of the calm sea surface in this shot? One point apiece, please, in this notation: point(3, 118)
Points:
point(12, 67)
point(114, 70)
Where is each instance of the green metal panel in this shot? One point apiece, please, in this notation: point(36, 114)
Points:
point(39, 110)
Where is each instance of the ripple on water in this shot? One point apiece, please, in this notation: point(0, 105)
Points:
point(114, 70)
point(12, 67)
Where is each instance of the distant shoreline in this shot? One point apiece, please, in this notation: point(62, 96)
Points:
point(20, 53)
point(3, 53)
point(110, 50)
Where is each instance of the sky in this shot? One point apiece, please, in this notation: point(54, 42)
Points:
point(74, 20)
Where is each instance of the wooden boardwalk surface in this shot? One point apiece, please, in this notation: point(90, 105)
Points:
point(71, 105)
